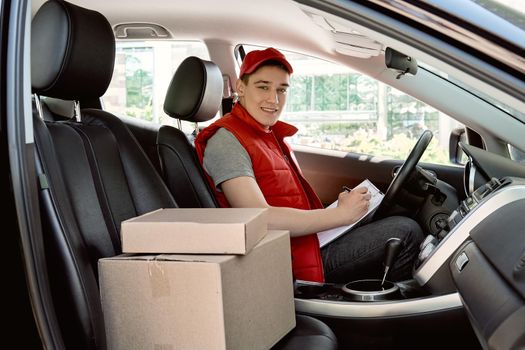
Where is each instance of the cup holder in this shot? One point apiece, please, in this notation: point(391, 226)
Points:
point(312, 291)
point(371, 290)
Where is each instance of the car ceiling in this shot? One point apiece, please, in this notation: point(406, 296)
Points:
point(224, 24)
point(280, 23)
point(235, 21)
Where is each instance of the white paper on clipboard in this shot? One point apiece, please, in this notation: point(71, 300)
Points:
point(328, 236)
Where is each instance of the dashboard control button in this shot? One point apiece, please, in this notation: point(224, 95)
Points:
point(428, 239)
point(426, 251)
point(461, 261)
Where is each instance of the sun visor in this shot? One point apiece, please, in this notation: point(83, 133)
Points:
point(347, 41)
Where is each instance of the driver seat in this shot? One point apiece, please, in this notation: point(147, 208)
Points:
point(194, 95)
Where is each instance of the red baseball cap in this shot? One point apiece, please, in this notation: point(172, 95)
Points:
point(255, 58)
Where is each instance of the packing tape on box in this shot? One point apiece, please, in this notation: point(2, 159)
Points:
point(159, 282)
point(163, 347)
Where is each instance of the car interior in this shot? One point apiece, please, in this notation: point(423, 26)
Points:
point(95, 168)
point(86, 196)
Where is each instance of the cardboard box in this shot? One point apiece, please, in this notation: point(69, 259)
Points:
point(199, 231)
point(199, 301)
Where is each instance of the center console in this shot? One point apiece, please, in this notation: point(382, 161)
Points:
point(432, 290)
point(432, 268)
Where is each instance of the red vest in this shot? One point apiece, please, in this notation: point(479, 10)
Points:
point(278, 177)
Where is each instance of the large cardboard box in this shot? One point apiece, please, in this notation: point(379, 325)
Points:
point(199, 231)
point(199, 302)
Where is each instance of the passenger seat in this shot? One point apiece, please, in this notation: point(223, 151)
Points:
point(91, 171)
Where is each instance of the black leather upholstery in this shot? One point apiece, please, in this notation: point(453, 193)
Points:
point(72, 274)
point(94, 182)
point(73, 52)
point(181, 170)
point(309, 333)
point(194, 94)
point(195, 91)
point(92, 174)
point(146, 134)
point(97, 174)
point(227, 105)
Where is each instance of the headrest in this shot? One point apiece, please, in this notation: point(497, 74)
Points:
point(195, 91)
point(72, 52)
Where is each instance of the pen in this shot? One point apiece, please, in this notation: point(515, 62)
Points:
point(347, 189)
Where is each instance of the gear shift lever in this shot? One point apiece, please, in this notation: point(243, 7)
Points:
point(392, 249)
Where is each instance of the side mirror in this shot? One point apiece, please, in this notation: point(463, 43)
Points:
point(400, 62)
point(455, 152)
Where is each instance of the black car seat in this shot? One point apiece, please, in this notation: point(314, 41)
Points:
point(92, 173)
point(194, 95)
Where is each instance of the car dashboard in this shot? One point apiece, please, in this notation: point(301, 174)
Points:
point(489, 269)
point(481, 253)
point(476, 263)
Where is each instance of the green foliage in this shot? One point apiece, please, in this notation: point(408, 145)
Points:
point(145, 113)
point(332, 92)
point(397, 147)
point(300, 96)
point(404, 117)
point(362, 138)
point(139, 89)
point(341, 128)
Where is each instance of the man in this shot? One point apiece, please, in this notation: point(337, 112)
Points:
point(249, 164)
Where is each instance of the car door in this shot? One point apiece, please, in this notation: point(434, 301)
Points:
point(27, 308)
point(329, 172)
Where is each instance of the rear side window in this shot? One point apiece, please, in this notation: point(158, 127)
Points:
point(143, 71)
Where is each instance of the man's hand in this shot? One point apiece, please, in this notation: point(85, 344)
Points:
point(354, 204)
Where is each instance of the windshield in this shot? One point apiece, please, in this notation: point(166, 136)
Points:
point(498, 104)
point(512, 11)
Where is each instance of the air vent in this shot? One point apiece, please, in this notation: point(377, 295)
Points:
point(144, 31)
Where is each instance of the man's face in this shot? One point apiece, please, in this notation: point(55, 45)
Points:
point(264, 96)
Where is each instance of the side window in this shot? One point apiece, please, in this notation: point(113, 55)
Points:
point(143, 71)
point(340, 109)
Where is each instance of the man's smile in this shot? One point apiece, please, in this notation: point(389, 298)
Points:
point(269, 110)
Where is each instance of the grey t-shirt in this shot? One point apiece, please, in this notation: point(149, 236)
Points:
point(225, 158)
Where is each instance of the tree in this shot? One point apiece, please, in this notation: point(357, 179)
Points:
point(139, 89)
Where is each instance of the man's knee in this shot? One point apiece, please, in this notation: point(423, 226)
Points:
point(409, 229)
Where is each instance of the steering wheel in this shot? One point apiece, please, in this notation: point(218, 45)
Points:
point(403, 174)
